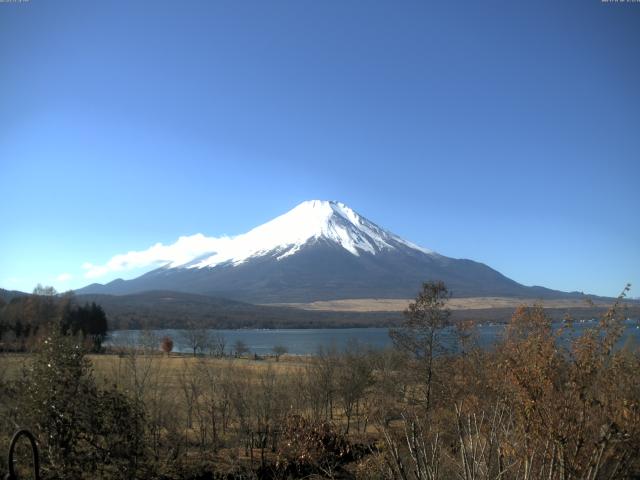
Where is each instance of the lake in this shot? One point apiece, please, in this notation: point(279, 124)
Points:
point(308, 341)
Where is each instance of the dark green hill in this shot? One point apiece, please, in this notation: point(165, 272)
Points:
point(167, 309)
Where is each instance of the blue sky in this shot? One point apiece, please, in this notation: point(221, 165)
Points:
point(505, 132)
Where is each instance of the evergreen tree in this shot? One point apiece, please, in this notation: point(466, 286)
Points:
point(89, 320)
point(84, 432)
point(59, 393)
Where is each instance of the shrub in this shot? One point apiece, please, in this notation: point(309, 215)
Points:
point(166, 345)
point(81, 429)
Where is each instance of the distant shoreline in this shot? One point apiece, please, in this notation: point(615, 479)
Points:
point(470, 303)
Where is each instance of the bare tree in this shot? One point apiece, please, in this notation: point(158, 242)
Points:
point(217, 344)
point(278, 351)
point(412, 454)
point(321, 382)
point(240, 348)
point(147, 342)
point(214, 404)
point(190, 387)
point(197, 339)
point(353, 378)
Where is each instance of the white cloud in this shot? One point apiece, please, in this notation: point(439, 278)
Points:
point(184, 250)
point(64, 277)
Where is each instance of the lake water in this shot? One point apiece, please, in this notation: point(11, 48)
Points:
point(308, 341)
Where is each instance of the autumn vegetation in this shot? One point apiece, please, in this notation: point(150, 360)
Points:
point(545, 403)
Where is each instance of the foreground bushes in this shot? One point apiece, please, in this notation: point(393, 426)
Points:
point(83, 431)
point(537, 406)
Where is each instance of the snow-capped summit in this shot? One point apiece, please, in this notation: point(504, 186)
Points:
point(305, 224)
point(319, 250)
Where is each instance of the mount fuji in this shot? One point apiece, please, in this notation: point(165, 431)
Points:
point(319, 250)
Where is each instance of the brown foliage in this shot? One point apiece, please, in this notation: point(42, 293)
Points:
point(312, 448)
point(166, 345)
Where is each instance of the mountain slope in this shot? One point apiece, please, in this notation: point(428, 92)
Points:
point(320, 251)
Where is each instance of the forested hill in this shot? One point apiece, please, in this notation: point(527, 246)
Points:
point(164, 309)
point(7, 295)
point(167, 309)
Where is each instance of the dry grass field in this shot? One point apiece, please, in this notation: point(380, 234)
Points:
point(108, 368)
point(471, 303)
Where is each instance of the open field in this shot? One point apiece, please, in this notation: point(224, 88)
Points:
point(108, 367)
point(471, 303)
